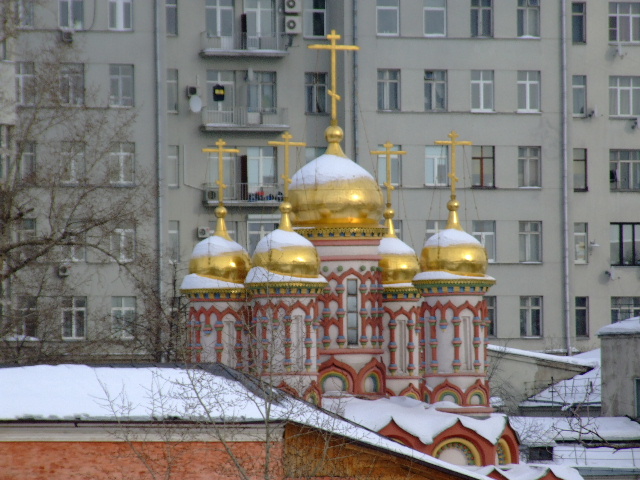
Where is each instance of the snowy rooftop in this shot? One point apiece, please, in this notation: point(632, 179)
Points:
point(449, 237)
point(440, 275)
point(586, 359)
point(280, 239)
point(79, 392)
point(262, 275)
point(630, 326)
point(549, 430)
point(215, 245)
point(581, 389)
point(193, 281)
point(528, 471)
point(394, 246)
point(328, 168)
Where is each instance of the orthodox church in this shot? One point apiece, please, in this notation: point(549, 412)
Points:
point(333, 305)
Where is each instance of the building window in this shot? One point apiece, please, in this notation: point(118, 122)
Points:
point(624, 95)
point(624, 22)
point(579, 22)
point(258, 226)
point(72, 84)
point(352, 312)
point(219, 18)
point(74, 317)
point(580, 242)
point(225, 79)
point(579, 91)
point(123, 242)
point(435, 90)
point(262, 93)
point(435, 18)
point(483, 160)
point(485, 232)
point(637, 385)
point(121, 85)
point(528, 18)
point(433, 227)
point(6, 150)
point(172, 90)
point(315, 18)
point(261, 167)
point(174, 241)
point(529, 167)
point(528, 91)
point(123, 316)
point(492, 317)
point(25, 83)
point(625, 244)
point(388, 17)
point(122, 164)
point(481, 18)
point(582, 316)
point(395, 166)
point(260, 20)
point(26, 323)
point(530, 316)
point(624, 170)
point(540, 454)
point(624, 307)
point(173, 166)
point(436, 166)
point(316, 92)
point(120, 12)
point(311, 153)
point(171, 11)
point(579, 169)
point(73, 163)
point(25, 13)
point(530, 245)
point(389, 90)
point(482, 90)
point(76, 252)
point(27, 164)
point(27, 230)
point(71, 14)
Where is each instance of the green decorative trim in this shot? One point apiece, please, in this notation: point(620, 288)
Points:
point(362, 268)
point(341, 233)
point(285, 289)
point(457, 286)
point(400, 293)
point(340, 268)
point(325, 269)
point(216, 294)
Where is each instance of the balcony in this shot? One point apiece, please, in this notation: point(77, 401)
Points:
point(244, 45)
point(245, 194)
point(244, 119)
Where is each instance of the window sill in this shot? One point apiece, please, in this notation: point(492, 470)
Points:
point(529, 37)
point(531, 262)
point(435, 35)
point(482, 111)
point(317, 114)
point(577, 190)
point(73, 339)
point(530, 337)
point(389, 111)
point(625, 190)
point(484, 187)
point(528, 112)
point(525, 187)
point(392, 35)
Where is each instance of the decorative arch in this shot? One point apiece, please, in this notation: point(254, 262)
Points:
point(333, 368)
point(284, 386)
point(503, 452)
point(313, 394)
point(410, 391)
point(464, 446)
point(478, 390)
point(371, 372)
point(446, 388)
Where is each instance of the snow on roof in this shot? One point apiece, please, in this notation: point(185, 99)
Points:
point(193, 281)
point(587, 359)
point(394, 246)
point(80, 392)
point(577, 455)
point(541, 431)
point(262, 275)
point(215, 245)
point(630, 326)
point(529, 471)
point(328, 168)
point(440, 275)
point(582, 389)
point(449, 237)
point(413, 416)
point(279, 239)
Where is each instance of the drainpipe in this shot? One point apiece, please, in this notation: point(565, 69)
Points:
point(159, 150)
point(566, 290)
point(354, 93)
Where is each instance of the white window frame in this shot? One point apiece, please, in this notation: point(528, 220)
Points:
point(257, 27)
point(123, 316)
point(492, 315)
point(352, 311)
point(624, 170)
point(25, 83)
point(25, 13)
point(173, 166)
point(579, 22)
point(482, 24)
point(264, 158)
point(123, 244)
point(624, 96)
point(315, 84)
point(314, 16)
point(580, 170)
point(71, 14)
point(389, 90)
point(530, 308)
point(529, 18)
point(482, 91)
point(530, 241)
point(74, 318)
point(436, 166)
point(624, 16)
point(388, 7)
point(396, 165)
point(171, 12)
point(435, 9)
point(71, 80)
point(529, 167)
point(579, 93)
point(72, 156)
point(581, 308)
point(121, 77)
point(27, 166)
point(485, 232)
point(226, 78)
point(75, 253)
point(624, 307)
point(172, 90)
point(263, 87)
point(529, 91)
point(173, 237)
point(122, 164)
point(219, 18)
point(435, 89)
point(121, 15)
point(581, 243)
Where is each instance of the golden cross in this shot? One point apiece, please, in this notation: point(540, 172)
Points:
point(388, 153)
point(334, 89)
point(454, 143)
point(220, 151)
point(287, 144)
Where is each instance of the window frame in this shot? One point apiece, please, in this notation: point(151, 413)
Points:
point(484, 160)
point(25, 13)
point(622, 306)
point(264, 86)
point(396, 166)
point(434, 164)
point(580, 243)
point(173, 166)
point(25, 84)
point(526, 10)
point(71, 82)
point(122, 239)
point(531, 327)
point(352, 315)
point(579, 95)
point(388, 8)
point(434, 8)
point(529, 165)
point(171, 17)
point(619, 232)
point(529, 90)
point(578, 23)
point(27, 316)
point(173, 88)
point(315, 86)
point(431, 88)
point(482, 91)
point(254, 236)
point(311, 13)
point(485, 232)
point(386, 93)
point(118, 9)
point(173, 239)
point(577, 160)
point(479, 27)
point(583, 315)
point(619, 106)
point(492, 315)
point(631, 18)
point(624, 170)
point(72, 155)
point(119, 76)
point(74, 318)
point(530, 241)
point(122, 160)
point(68, 20)
point(119, 314)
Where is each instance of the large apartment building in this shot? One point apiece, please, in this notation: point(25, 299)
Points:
point(547, 92)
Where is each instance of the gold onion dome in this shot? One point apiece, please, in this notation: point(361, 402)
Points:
point(218, 257)
point(398, 260)
point(333, 190)
point(284, 252)
point(453, 250)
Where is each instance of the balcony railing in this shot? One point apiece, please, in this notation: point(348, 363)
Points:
point(259, 194)
point(244, 44)
point(245, 118)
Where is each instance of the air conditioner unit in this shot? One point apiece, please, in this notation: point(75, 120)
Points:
point(210, 196)
point(191, 91)
point(66, 36)
point(292, 6)
point(292, 25)
point(64, 270)
point(203, 232)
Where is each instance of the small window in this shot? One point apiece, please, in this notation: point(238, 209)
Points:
point(121, 85)
point(315, 18)
point(435, 18)
point(580, 243)
point(624, 307)
point(396, 161)
point(120, 15)
point(579, 92)
point(25, 13)
point(172, 90)
point(123, 242)
point(316, 92)
point(582, 316)
point(625, 244)
point(492, 317)
point(529, 167)
point(352, 312)
point(579, 22)
point(71, 13)
point(624, 170)
point(174, 241)
point(528, 91)
point(530, 244)
point(436, 166)
point(171, 10)
point(173, 166)
point(388, 90)
point(122, 164)
point(388, 17)
point(481, 18)
point(74, 317)
point(530, 316)
point(435, 90)
point(482, 91)
point(71, 80)
point(624, 22)
point(580, 170)
point(483, 161)
point(485, 232)
point(528, 18)
point(540, 454)
point(123, 316)
point(624, 95)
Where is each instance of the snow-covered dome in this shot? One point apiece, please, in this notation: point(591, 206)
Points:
point(398, 260)
point(333, 190)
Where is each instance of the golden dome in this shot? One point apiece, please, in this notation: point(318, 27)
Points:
point(398, 261)
point(332, 190)
point(219, 257)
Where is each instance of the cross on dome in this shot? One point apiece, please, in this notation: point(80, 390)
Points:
point(388, 153)
point(453, 204)
point(287, 144)
point(221, 151)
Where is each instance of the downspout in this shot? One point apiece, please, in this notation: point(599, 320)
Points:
point(159, 150)
point(566, 290)
point(354, 93)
